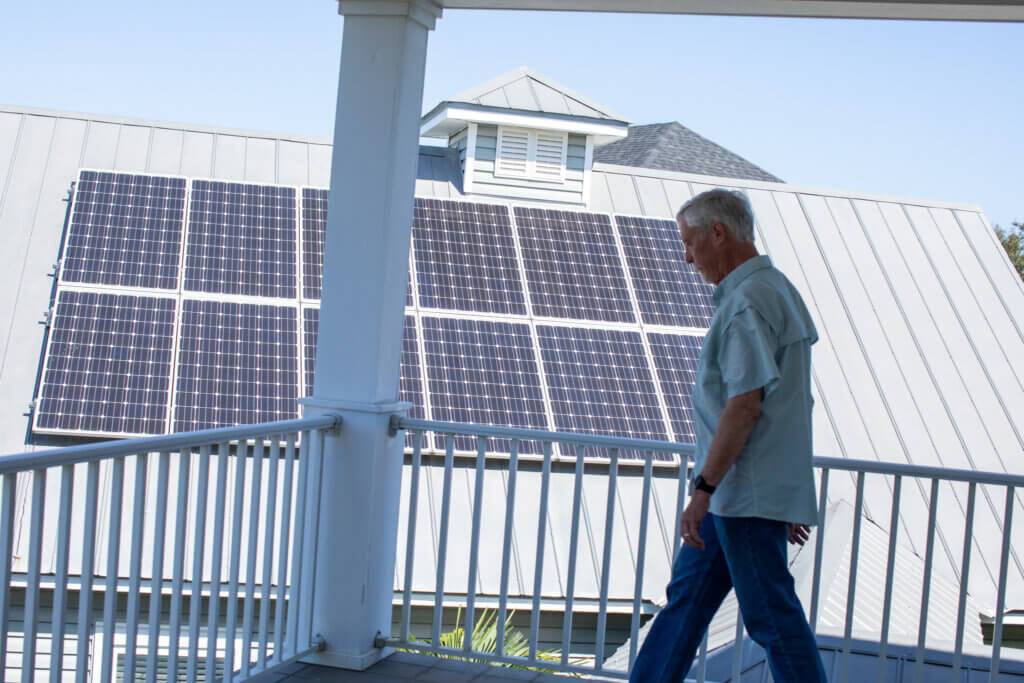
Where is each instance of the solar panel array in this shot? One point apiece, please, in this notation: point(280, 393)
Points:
point(204, 295)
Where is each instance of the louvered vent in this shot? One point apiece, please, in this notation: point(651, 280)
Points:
point(550, 158)
point(513, 152)
point(531, 154)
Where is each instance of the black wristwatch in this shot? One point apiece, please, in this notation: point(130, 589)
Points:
point(700, 484)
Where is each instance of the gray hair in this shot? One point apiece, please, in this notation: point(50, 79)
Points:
point(728, 207)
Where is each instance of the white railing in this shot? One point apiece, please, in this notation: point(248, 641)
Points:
point(231, 565)
point(843, 629)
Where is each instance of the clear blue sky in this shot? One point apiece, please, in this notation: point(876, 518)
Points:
point(917, 109)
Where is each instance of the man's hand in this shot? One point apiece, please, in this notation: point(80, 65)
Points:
point(798, 533)
point(689, 523)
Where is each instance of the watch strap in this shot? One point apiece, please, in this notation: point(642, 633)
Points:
point(700, 484)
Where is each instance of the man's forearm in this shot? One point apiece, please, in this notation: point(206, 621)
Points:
point(734, 428)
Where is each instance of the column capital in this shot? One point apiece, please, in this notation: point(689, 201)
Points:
point(423, 12)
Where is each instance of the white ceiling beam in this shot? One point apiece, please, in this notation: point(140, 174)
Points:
point(933, 10)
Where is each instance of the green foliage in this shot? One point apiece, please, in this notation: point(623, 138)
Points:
point(1013, 243)
point(485, 640)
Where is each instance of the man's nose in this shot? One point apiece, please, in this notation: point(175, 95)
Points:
point(689, 257)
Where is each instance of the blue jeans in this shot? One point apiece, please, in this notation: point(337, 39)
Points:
point(749, 554)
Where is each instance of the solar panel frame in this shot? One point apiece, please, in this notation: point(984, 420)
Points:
point(130, 224)
point(587, 280)
point(587, 391)
point(668, 291)
point(137, 417)
point(201, 351)
point(465, 257)
point(313, 204)
point(465, 386)
point(242, 263)
point(676, 357)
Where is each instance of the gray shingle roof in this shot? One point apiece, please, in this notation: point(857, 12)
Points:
point(674, 147)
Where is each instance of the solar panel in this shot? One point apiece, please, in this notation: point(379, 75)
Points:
point(599, 382)
point(241, 239)
point(572, 265)
point(669, 291)
point(314, 232)
point(465, 257)
point(483, 372)
point(125, 230)
point(237, 364)
point(108, 364)
point(676, 357)
point(314, 229)
point(310, 330)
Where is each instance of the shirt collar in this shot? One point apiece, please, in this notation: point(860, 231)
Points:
point(738, 275)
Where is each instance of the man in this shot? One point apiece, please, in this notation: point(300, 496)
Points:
point(753, 486)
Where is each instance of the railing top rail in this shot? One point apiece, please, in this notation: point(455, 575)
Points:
point(399, 422)
point(867, 466)
point(924, 472)
point(70, 455)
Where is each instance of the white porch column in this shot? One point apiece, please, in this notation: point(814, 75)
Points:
point(366, 256)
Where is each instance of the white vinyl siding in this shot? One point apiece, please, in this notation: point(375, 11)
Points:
point(531, 154)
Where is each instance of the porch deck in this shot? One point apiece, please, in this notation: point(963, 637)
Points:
point(405, 666)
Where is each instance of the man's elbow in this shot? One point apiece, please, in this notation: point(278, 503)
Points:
point(747, 406)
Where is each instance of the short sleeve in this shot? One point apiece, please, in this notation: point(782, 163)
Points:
point(746, 356)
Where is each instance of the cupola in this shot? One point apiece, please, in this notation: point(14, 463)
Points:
point(521, 135)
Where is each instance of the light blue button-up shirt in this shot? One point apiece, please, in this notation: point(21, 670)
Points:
point(760, 336)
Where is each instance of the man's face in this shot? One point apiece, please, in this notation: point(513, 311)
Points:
point(700, 251)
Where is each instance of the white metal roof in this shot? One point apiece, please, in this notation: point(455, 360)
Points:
point(527, 90)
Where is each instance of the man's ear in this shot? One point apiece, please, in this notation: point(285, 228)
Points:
point(718, 233)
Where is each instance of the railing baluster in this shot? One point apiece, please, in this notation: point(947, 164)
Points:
point(574, 541)
point(965, 571)
point(231, 610)
point(259, 452)
point(851, 590)
point(819, 542)
point(681, 494)
point(506, 547)
point(280, 608)
point(268, 549)
point(606, 562)
point(60, 590)
point(442, 549)
point(538, 566)
point(212, 624)
point(310, 559)
point(737, 645)
point(113, 549)
point(88, 567)
point(135, 566)
point(178, 569)
point(7, 548)
point(890, 573)
point(298, 536)
point(474, 542)
point(195, 602)
point(35, 551)
point(702, 659)
point(641, 554)
point(410, 543)
point(1004, 559)
point(922, 629)
point(159, 541)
